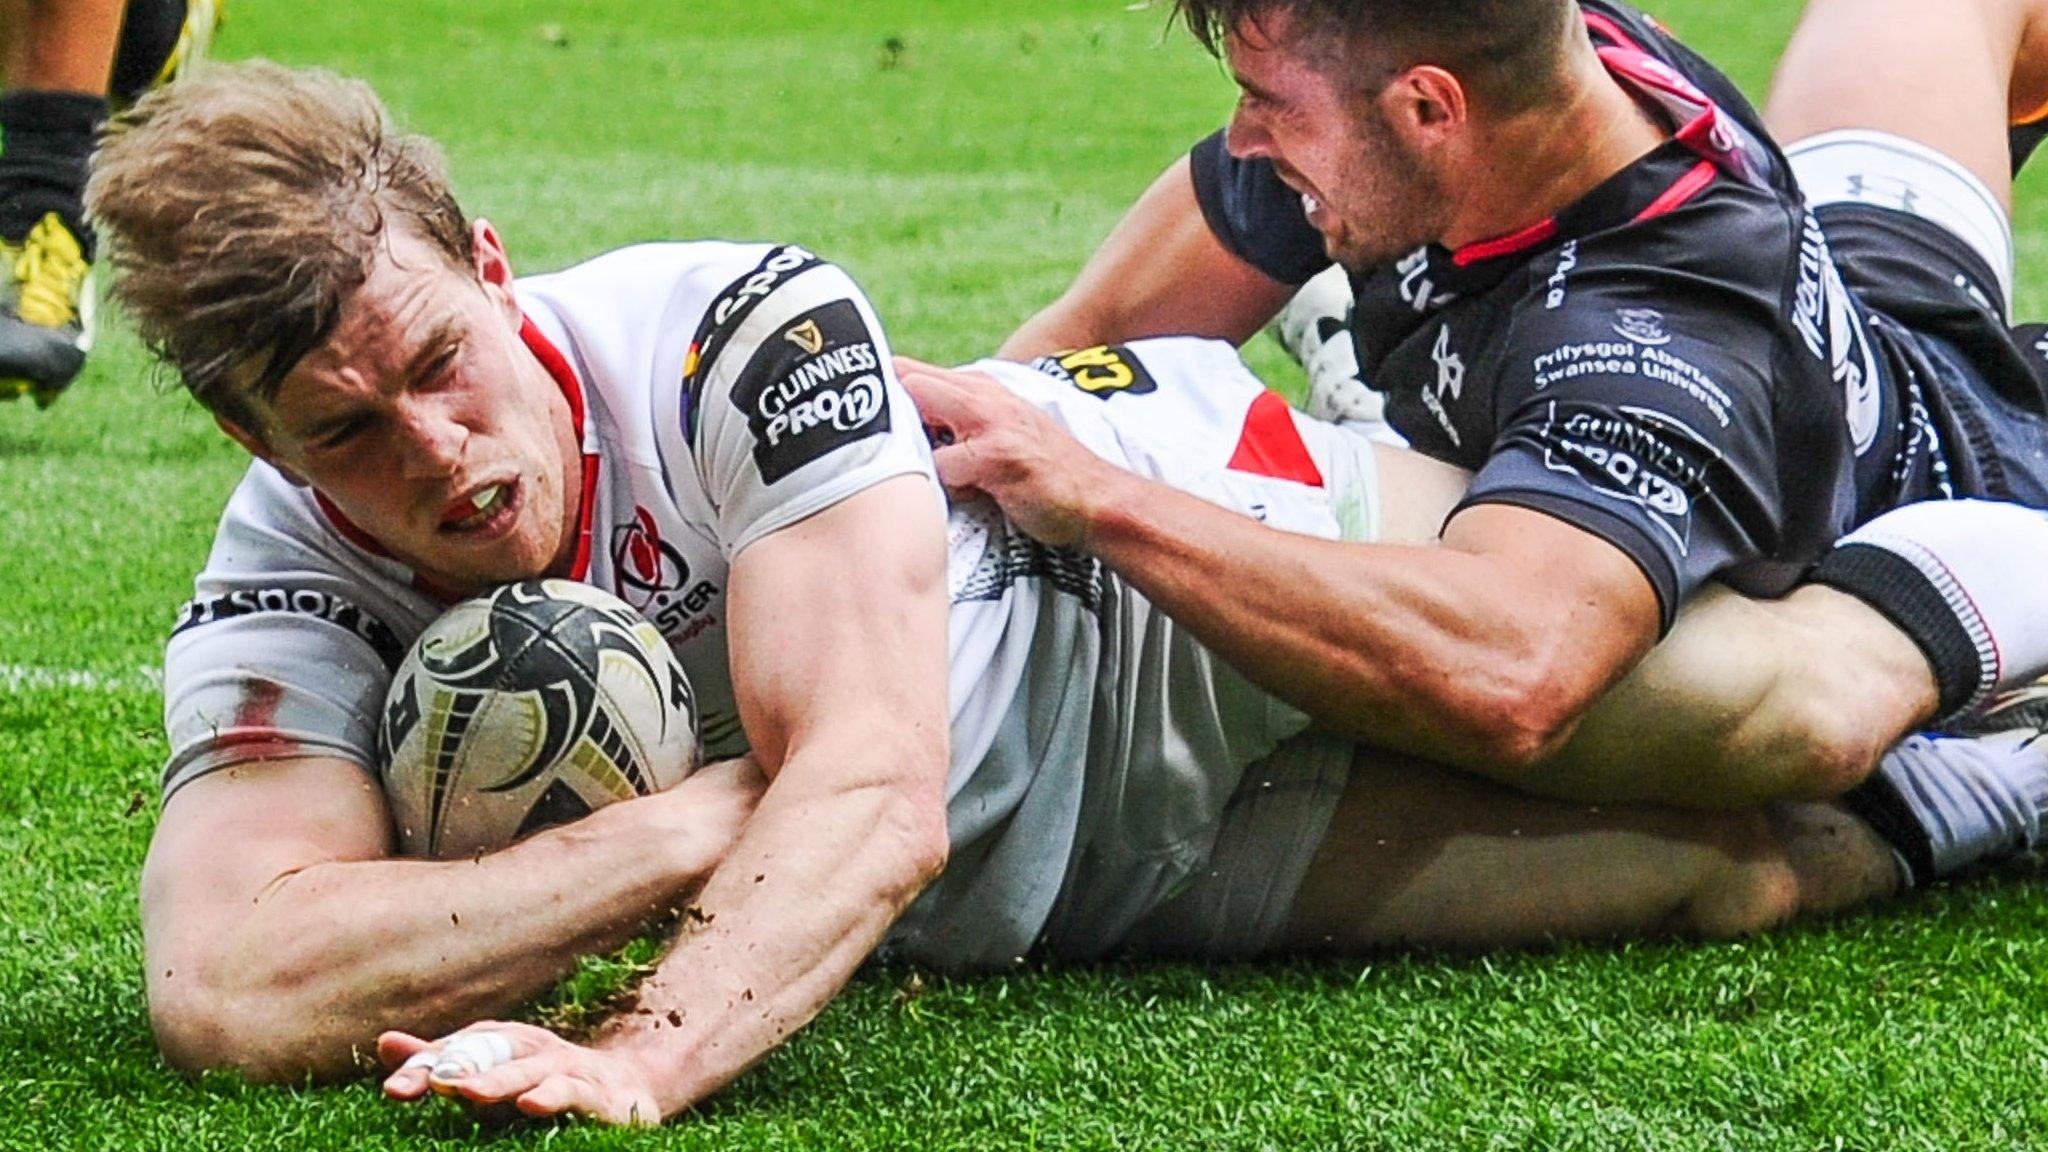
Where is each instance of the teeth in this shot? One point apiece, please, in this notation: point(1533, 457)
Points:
point(485, 504)
point(1309, 204)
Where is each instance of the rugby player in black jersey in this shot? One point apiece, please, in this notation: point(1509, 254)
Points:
point(1586, 276)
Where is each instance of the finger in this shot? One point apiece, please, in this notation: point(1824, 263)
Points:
point(395, 1048)
point(958, 467)
point(507, 1081)
point(409, 1059)
point(471, 1053)
point(554, 1096)
point(940, 401)
point(936, 400)
point(904, 364)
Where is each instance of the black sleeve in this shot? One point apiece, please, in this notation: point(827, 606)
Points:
point(1650, 431)
point(1254, 214)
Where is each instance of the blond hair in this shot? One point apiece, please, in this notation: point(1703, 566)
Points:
point(242, 208)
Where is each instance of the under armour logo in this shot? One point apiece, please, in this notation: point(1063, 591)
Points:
point(1908, 197)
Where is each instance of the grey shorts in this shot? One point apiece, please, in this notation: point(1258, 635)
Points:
point(1236, 906)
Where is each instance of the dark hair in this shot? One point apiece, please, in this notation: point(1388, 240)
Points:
point(1510, 54)
point(244, 206)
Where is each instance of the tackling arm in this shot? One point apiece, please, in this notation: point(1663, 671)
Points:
point(1500, 639)
point(1161, 272)
point(1482, 651)
point(280, 940)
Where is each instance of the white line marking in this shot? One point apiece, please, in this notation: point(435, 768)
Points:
point(28, 677)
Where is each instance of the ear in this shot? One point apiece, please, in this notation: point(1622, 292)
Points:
point(493, 267)
point(257, 447)
point(1426, 106)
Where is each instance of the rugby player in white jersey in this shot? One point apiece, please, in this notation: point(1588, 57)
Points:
point(961, 746)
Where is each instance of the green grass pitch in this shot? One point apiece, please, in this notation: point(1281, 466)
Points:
point(961, 158)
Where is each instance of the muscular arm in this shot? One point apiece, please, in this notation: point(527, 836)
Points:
point(839, 657)
point(1160, 272)
point(280, 940)
point(1483, 650)
point(1745, 701)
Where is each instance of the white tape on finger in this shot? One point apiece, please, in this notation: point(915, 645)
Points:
point(471, 1054)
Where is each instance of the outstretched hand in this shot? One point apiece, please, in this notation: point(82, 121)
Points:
point(1048, 483)
point(530, 1068)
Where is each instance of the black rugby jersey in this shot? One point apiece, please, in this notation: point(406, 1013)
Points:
point(1672, 363)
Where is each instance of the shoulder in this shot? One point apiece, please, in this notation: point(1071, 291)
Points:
point(1719, 267)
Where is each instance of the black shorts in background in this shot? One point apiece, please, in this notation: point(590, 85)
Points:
point(1939, 318)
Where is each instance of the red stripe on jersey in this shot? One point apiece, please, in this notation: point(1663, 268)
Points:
point(1602, 26)
point(579, 569)
point(1683, 189)
point(1271, 445)
point(551, 358)
point(1507, 245)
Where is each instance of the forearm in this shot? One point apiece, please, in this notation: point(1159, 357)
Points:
point(812, 887)
point(327, 956)
point(1075, 320)
point(1428, 650)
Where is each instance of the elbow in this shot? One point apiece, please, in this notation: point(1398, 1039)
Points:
point(914, 827)
point(192, 1026)
point(1526, 720)
point(256, 1021)
point(201, 1030)
point(922, 838)
point(1818, 749)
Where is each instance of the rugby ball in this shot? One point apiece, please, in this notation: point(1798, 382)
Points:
point(531, 706)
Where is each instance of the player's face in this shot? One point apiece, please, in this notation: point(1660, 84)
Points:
point(1327, 137)
point(429, 424)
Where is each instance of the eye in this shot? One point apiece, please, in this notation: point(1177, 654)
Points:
point(437, 369)
point(341, 435)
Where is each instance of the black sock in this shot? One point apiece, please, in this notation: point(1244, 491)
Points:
point(46, 138)
point(1904, 594)
point(149, 32)
point(1877, 802)
point(2023, 139)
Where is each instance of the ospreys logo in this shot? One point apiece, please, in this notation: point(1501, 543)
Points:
point(813, 389)
point(1826, 318)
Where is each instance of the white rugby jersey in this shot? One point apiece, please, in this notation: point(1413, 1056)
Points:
point(722, 392)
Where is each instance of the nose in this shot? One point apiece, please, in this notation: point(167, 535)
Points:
point(1245, 137)
point(435, 441)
